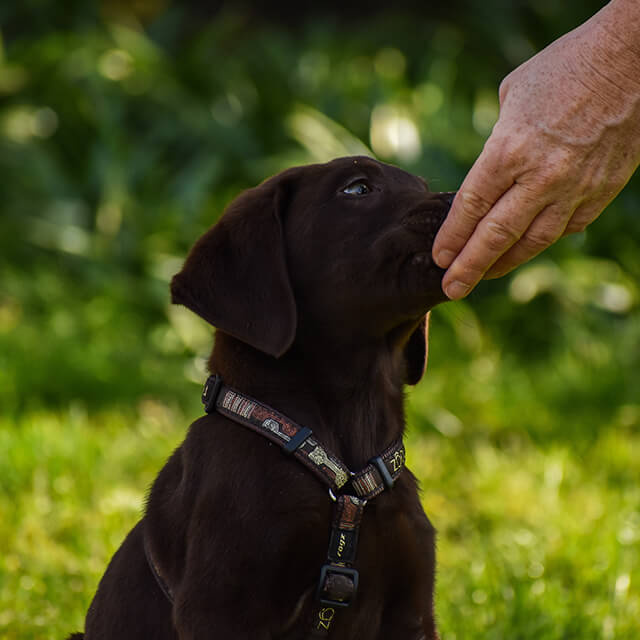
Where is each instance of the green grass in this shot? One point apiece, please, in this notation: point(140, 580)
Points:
point(73, 485)
point(536, 542)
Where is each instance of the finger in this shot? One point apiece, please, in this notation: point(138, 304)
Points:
point(499, 230)
point(548, 226)
point(485, 183)
point(583, 216)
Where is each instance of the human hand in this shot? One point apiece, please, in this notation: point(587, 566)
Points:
point(566, 142)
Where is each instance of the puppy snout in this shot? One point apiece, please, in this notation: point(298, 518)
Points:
point(428, 218)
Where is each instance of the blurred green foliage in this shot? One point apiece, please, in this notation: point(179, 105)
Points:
point(124, 134)
point(125, 128)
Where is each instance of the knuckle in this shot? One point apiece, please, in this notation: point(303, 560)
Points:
point(472, 273)
point(506, 84)
point(501, 147)
point(503, 89)
point(501, 235)
point(539, 239)
point(544, 182)
point(582, 218)
point(468, 274)
point(474, 206)
point(514, 156)
point(561, 169)
point(609, 190)
point(576, 226)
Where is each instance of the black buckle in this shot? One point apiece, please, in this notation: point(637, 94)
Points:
point(324, 594)
point(298, 440)
point(210, 392)
point(379, 464)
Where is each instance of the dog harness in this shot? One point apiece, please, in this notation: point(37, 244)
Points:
point(350, 491)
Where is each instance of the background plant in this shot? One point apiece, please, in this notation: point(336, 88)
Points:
point(124, 130)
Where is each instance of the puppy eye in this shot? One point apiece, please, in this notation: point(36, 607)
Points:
point(357, 189)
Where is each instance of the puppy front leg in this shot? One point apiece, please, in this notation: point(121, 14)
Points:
point(225, 597)
point(210, 621)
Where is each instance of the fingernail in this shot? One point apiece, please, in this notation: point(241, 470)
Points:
point(444, 258)
point(457, 290)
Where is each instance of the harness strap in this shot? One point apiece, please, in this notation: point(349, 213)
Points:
point(381, 472)
point(293, 438)
point(338, 582)
point(378, 475)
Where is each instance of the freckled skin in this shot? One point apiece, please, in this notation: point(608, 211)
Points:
point(565, 144)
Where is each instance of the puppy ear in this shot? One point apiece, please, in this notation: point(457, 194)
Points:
point(236, 277)
point(416, 351)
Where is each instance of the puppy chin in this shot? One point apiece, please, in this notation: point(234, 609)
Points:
point(422, 259)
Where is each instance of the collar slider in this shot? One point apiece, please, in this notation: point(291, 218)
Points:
point(210, 392)
point(379, 464)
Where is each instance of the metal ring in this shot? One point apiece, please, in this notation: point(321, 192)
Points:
point(332, 495)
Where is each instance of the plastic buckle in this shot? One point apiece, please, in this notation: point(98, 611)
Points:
point(297, 440)
point(323, 593)
point(210, 392)
point(379, 464)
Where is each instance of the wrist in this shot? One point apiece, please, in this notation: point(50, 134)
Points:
point(615, 34)
point(607, 60)
point(621, 18)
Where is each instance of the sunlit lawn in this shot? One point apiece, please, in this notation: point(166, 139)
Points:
point(534, 541)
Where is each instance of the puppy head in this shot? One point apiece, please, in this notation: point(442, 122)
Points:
point(342, 249)
point(359, 235)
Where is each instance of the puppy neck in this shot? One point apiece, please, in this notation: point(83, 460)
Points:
point(351, 398)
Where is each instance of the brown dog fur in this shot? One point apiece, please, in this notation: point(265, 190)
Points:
point(319, 298)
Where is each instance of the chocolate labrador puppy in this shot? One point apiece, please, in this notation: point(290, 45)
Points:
point(318, 282)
